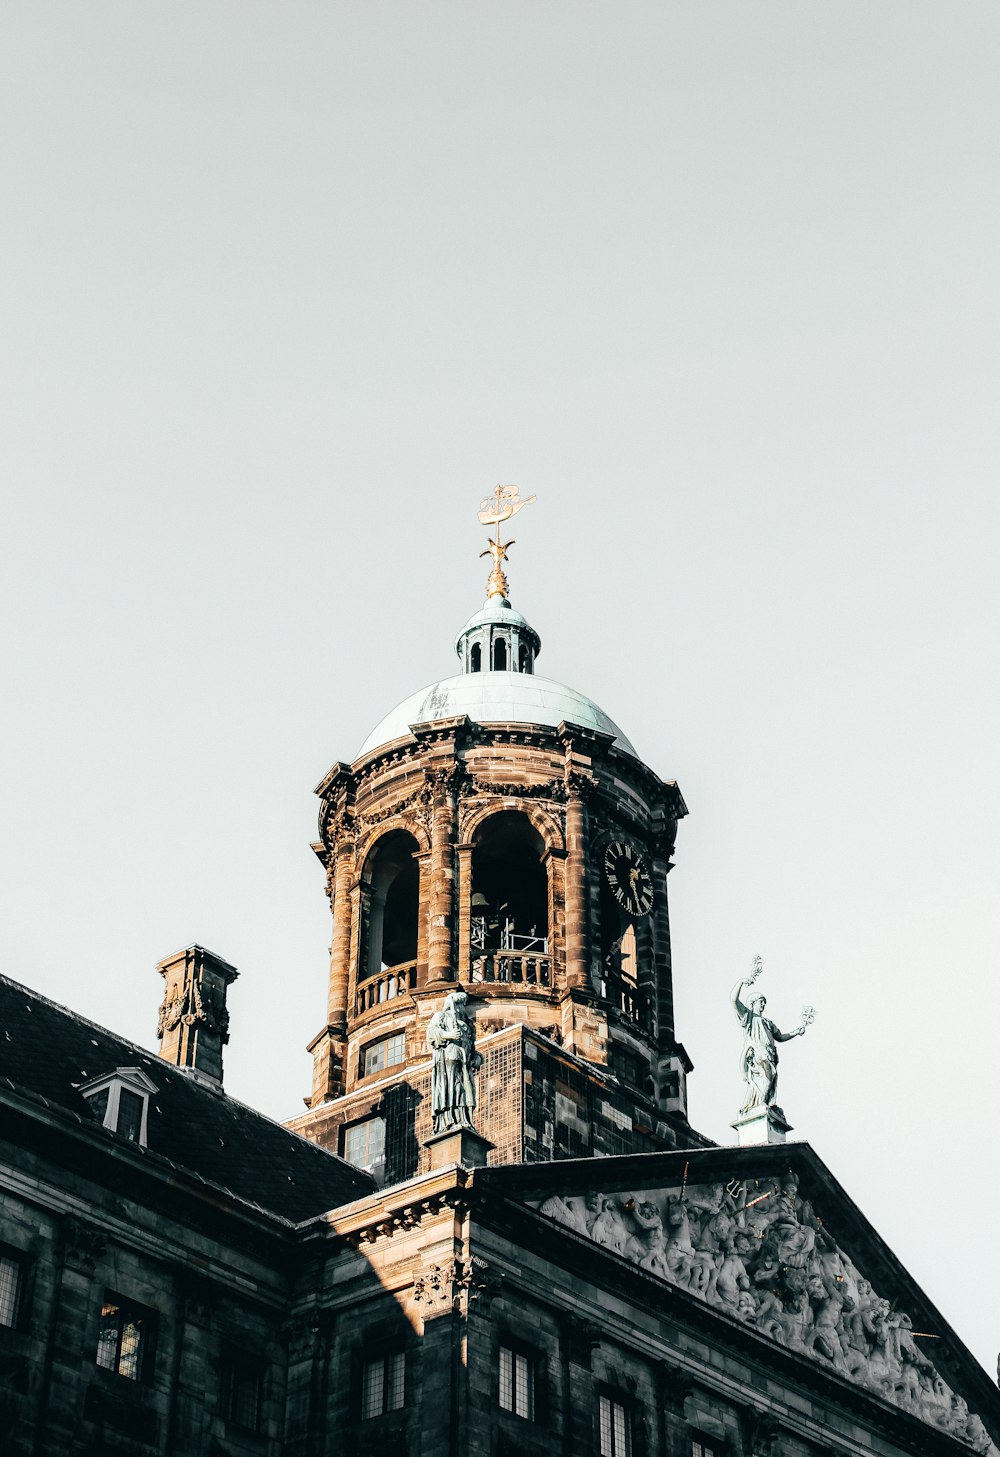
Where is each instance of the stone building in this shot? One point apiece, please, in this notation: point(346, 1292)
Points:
point(582, 1274)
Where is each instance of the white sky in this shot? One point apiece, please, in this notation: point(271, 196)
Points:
point(286, 289)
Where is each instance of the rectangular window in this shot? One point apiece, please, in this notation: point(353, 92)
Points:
point(383, 1385)
point(10, 1290)
point(388, 1053)
point(123, 1337)
point(242, 1378)
point(614, 1424)
point(706, 1446)
point(364, 1143)
point(517, 1383)
point(130, 1107)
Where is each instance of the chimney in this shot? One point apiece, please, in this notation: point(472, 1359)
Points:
point(194, 1021)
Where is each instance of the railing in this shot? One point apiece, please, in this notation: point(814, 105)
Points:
point(528, 967)
point(394, 981)
point(633, 1004)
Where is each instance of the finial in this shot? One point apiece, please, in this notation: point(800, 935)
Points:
point(504, 503)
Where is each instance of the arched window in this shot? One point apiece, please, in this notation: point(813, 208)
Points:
point(476, 658)
point(510, 901)
point(522, 665)
point(500, 656)
point(393, 880)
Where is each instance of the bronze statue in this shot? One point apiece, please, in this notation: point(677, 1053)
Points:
point(759, 1061)
point(452, 1041)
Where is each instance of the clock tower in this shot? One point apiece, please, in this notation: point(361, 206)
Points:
point(497, 834)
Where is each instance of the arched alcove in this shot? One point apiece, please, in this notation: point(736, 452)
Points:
point(510, 901)
point(392, 878)
point(476, 658)
point(499, 655)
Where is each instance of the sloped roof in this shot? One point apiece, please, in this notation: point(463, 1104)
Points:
point(47, 1051)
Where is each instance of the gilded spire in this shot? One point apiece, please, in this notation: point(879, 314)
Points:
point(504, 503)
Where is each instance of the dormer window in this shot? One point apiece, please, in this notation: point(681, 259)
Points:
point(120, 1101)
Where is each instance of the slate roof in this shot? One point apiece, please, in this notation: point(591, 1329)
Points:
point(45, 1049)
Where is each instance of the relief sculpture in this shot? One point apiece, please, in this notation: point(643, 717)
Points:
point(761, 1254)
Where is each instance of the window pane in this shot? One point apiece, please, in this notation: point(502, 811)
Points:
point(395, 1050)
point(396, 1381)
point(98, 1104)
point(130, 1348)
point(374, 1385)
point(241, 1393)
point(506, 1379)
point(107, 1339)
point(607, 1439)
point(364, 1143)
point(522, 1387)
point(129, 1114)
point(10, 1289)
point(621, 1449)
point(373, 1058)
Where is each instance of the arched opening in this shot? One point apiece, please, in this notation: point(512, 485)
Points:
point(510, 901)
point(523, 663)
point(625, 961)
point(392, 877)
point(476, 658)
point(499, 656)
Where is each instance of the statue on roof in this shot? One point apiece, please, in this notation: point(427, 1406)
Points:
point(455, 1061)
point(759, 1059)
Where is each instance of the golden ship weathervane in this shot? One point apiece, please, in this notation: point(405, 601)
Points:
point(504, 503)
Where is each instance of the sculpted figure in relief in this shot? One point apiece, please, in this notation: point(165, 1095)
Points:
point(761, 1255)
point(759, 1060)
point(452, 1041)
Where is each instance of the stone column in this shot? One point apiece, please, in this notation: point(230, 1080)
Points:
point(342, 872)
point(577, 961)
point(463, 958)
point(661, 955)
point(441, 925)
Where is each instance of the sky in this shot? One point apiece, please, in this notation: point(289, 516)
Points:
point(287, 289)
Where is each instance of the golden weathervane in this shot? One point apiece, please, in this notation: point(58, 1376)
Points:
point(504, 503)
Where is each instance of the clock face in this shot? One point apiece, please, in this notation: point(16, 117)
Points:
point(628, 878)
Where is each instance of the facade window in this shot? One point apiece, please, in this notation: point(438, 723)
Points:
point(124, 1337)
point(706, 1446)
point(517, 1383)
point(364, 1143)
point(120, 1101)
point(10, 1289)
point(613, 1419)
point(387, 1053)
point(383, 1385)
point(242, 1379)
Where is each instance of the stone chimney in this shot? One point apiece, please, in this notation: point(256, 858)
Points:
point(194, 1021)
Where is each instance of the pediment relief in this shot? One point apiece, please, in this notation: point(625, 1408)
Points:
point(758, 1251)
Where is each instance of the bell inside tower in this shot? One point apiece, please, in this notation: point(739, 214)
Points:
point(509, 924)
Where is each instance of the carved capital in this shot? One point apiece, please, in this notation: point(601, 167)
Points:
point(455, 1285)
point(83, 1244)
point(581, 786)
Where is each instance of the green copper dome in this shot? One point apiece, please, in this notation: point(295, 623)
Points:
point(495, 698)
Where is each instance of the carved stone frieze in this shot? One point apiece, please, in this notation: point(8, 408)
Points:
point(759, 1253)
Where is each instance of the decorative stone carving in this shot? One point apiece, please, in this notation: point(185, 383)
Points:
point(452, 1042)
point(761, 1255)
point(83, 1243)
point(759, 1058)
point(455, 1285)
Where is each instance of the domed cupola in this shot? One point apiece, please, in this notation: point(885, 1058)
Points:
point(498, 639)
point(497, 834)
